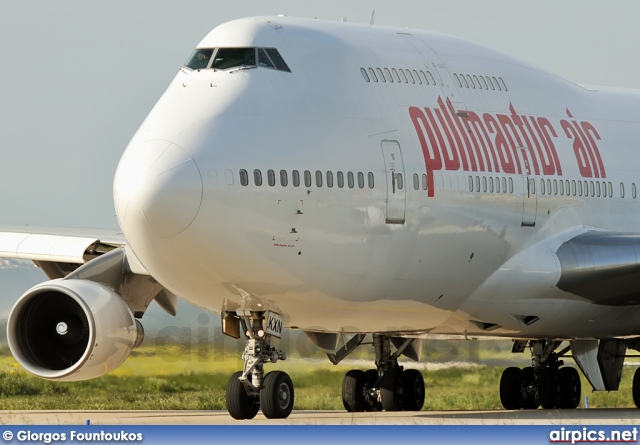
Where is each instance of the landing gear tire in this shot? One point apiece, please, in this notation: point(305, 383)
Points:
point(635, 388)
point(353, 395)
point(511, 388)
point(276, 397)
point(392, 390)
point(550, 388)
point(571, 388)
point(240, 405)
point(414, 390)
point(530, 399)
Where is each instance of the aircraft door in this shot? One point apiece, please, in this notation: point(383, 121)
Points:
point(395, 179)
point(529, 195)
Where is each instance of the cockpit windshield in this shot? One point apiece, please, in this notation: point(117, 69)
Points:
point(227, 58)
point(232, 57)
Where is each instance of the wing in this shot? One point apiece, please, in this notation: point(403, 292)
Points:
point(77, 253)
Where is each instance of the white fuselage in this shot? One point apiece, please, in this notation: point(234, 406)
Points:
point(456, 258)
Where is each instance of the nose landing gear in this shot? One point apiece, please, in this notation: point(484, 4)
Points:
point(250, 389)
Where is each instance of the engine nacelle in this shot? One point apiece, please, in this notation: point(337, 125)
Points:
point(71, 330)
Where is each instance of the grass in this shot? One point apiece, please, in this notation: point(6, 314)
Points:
point(178, 378)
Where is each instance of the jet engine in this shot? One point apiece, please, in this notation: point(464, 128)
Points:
point(71, 330)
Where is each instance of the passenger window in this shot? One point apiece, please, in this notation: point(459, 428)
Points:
point(307, 178)
point(598, 188)
point(542, 189)
point(592, 188)
point(295, 175)
point(271, 177)
point(610, 190)
point(402, 75)
point(510, 185)
point(504, 85)
point(484, 83)
point(424, 77)
point(381, 75)
point(477, 183)
point(257, 177)
point(329, 179)
point(365, 75)
point(350, 180)
point(417, 76)
point(371, 182)
point(573, 188)
point(340, 179)
point(491, 85)
point(410, 76)
point(484, 184)
point(424, 182)
point(491, 184)
point(532, 182)
point(244, 178)
point(388, 75)
point(199, 59)
point(277, 59)
point(633, 190)
point(373, 75)
point(470, 80)
point(455, 76)
point(555, 186)
point(433, 81)
point(284, 179)
point(318, 178)
point(399, 181)
point(470, 183)
point(504, 185)
point(476, 82)
point(497, 84)
point(497, 185)
point(226, 58)
point(395, 75)
point(621, 190)
point(464, 80)
point(561, 187)
point(263, 60)
point(579, 188)
point(416, 181)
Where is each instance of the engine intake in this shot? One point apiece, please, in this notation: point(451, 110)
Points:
point(72, 330)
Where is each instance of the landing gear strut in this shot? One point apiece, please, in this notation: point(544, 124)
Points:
point(544, 384)
point(251, 389)
point(389, 386)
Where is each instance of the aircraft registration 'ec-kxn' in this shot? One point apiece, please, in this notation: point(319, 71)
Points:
point(351, 181)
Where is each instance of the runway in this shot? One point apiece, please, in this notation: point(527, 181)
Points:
point(612, 416)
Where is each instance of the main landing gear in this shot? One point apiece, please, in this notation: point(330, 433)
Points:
point(544, 383)
point(250, 390)
point(389, 387)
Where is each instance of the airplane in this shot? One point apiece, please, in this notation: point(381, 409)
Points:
point(358, 182)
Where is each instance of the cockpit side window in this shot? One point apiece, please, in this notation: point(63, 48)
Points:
point(277, 59)
point(233, 57)
point(199, 59)
point(263, 60)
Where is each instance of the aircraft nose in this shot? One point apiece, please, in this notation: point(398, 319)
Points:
point(157, 188)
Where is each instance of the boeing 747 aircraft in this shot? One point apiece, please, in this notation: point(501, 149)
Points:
point(358, 182)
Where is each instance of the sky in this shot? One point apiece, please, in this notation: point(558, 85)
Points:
point(77, 77)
